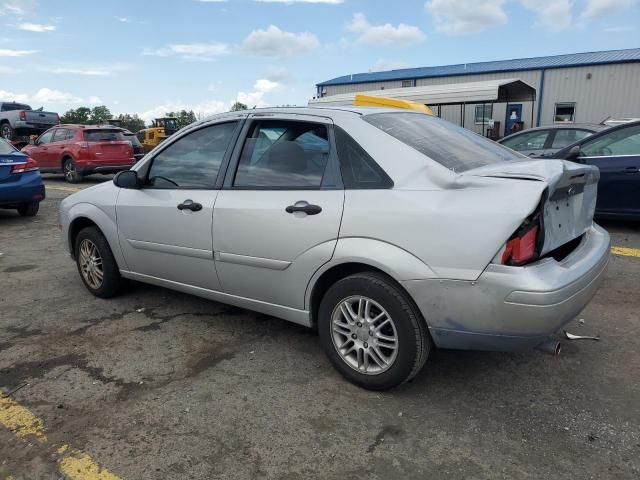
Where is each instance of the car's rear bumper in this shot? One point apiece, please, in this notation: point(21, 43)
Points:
point(510, 308)
point(28, 188)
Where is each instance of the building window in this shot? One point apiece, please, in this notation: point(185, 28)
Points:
point(565, 112)
point(407, 83)
point(484, 114)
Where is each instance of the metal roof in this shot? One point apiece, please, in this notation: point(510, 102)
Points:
point(536, 63)
point(472, 92)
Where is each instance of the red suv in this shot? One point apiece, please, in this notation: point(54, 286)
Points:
point(79, 150)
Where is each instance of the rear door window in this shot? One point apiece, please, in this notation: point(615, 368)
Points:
point(567, 136)
point(455, 148)
point(283, 154)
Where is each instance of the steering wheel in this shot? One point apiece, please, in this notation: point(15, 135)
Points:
point(605, 151)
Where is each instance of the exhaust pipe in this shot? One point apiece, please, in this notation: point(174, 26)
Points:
point(551, 347)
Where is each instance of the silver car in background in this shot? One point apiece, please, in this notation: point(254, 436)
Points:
point(389, 231)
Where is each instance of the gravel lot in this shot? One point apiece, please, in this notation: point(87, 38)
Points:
point(156, 384)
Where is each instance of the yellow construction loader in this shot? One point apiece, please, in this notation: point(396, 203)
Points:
point(160, 130)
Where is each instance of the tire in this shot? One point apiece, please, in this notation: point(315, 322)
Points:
point(6, 131)
point(412, 341)
point(91, 240)
point(71, 173)
point(29, 209)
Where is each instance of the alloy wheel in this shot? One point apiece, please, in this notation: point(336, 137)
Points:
point(69, 170)
point(364, 335)
point(91, 264)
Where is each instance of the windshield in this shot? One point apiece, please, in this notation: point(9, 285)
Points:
point(454, 147)
point(5, 147)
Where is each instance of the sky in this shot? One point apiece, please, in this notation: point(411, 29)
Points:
point(153, 56)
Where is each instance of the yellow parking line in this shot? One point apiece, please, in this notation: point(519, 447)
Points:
point(20, 420)
point(80, 466)
point(63, 189)
point(76, 465)
point(627, 252)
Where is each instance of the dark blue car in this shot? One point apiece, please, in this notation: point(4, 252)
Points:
point(616, 152)
point(21, 186)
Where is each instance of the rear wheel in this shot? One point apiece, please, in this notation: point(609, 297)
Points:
point(372, 332)
point(29, 209)
point(6, 131)
point(71, 173)
point(96, 265)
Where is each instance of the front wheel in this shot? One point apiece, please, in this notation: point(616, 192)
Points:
point(29, 209)
point(372, 332)
point(96, 264)
point(71, 173)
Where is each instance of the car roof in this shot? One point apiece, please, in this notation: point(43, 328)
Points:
point(324, 111)
point(593, 127)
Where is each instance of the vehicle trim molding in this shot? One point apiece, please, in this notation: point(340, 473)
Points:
point(171, 249)
point(259, 262)
point(301, 317)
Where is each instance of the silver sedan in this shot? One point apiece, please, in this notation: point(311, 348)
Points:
point(388, 231)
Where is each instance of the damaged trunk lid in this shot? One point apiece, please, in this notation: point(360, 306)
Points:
point(569, 201)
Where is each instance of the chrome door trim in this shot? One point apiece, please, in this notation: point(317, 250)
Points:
point(171, 249)
point(247, 260)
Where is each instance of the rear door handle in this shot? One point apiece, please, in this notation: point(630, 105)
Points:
point(304, 207)
point(631, 170)
point(190, 205)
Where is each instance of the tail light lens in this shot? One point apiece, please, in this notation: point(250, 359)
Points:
point(29, 166)
point(22, 115)
point(521, 248)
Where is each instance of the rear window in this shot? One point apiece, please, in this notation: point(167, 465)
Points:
point(133, 139)
point(5, 147)
point(9, 107)
point(103, 135)
point(454, 147)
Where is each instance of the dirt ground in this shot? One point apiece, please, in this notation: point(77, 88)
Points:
point(156, 384)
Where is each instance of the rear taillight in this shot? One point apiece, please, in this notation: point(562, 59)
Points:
point(29, 166)
point(22, 115)
point(521, 248)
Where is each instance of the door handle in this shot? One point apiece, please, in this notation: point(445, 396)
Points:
point(631, 170)
point(190, 205)
point(306, 208)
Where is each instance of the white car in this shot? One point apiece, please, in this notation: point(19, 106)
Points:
point(389, 231)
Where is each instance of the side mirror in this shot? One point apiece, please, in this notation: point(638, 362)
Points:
point(573, 153)
point(127, 179)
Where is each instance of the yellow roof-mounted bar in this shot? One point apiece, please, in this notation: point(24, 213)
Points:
point(361, 100)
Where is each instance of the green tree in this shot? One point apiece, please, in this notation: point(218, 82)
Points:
point(99, 114)
point(183, 117)
point(238, 106)
point(132, 123)
point(80, 115)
